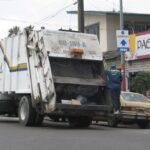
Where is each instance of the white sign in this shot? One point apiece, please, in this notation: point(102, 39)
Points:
point(122, 40)
point(59, 44)
point(143, 45)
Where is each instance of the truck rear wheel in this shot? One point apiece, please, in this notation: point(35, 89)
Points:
point(26, 112)
point(143, 124)
point(80, 122)
point(112, 122)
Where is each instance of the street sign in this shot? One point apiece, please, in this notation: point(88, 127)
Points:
point(122, 40)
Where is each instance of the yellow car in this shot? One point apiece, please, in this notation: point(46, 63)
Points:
point(135, 108)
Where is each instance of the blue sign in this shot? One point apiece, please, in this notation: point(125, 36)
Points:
point(122, 40)
point(120, 49)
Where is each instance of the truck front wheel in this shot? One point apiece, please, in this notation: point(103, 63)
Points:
point(39, 119)
point(26, 112)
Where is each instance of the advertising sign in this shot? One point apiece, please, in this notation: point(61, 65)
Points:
point(139, 46)
point(143, 45)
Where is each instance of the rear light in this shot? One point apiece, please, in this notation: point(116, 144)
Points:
point(77, 50)
point(128, 108)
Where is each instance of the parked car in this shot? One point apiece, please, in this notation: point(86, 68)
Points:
point(135, 108)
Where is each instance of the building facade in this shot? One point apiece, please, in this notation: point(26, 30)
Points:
point(104, 25)
point(138, 58)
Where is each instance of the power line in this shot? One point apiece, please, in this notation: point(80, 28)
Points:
point(96, 6)
point(5, 0)
point(40, 22)
point(52, 16)
point(117, 5)
point(15, 20)
point(112, 3)
point(70, 17)
point(55, 14)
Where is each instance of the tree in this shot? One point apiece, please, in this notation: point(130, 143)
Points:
point(13, 31)
point(141, 82)
point(29, 28)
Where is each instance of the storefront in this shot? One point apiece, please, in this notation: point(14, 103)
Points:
point(138, 59)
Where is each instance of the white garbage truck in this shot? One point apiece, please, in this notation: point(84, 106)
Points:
point(54, 74)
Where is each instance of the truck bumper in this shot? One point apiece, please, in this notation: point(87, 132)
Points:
point(132, 117)
point(82, 110)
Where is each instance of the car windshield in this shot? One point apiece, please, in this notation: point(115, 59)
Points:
point(135, 97)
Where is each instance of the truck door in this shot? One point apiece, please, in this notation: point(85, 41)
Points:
point(40, 72)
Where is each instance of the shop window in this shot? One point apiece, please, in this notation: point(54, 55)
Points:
point(137, 27)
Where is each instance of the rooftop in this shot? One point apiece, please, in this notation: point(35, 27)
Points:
point(110, 13)
point(111, 54)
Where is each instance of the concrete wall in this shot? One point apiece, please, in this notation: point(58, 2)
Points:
point(112, 26)
point(138, 65)
point(108, 26)
point(91, 19)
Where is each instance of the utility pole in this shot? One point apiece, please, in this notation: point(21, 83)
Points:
point(122, 53)
point(121, 16)
point(81, 16)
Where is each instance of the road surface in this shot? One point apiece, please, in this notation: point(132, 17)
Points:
point(58, 136)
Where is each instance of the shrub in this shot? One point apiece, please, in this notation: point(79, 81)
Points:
point(141, 82)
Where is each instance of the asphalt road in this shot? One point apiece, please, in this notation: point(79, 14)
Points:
point(58, 136)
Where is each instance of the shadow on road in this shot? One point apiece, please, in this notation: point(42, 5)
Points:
point(9, 120)
point(120, 126)
point(65, 126)
point(48, 124)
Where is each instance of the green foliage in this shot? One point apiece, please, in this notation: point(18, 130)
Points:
point(141, 83)
point(29, 28)
point(13, 31)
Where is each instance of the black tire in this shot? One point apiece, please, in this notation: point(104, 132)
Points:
point(80, 122)
point(143, 124)
point(39, 119)
point(63, 119)
point(26, 113)
point(55, 118)
point(112, 122)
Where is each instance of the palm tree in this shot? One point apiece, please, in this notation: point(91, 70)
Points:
point(29, 28)
point(13, 31)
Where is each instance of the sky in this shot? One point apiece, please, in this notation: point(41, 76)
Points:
point(52, 13)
